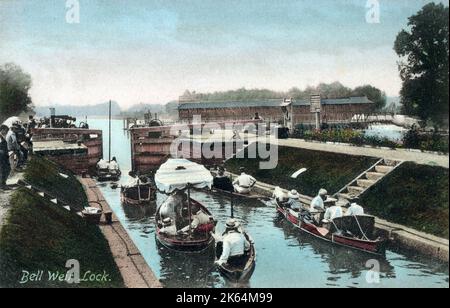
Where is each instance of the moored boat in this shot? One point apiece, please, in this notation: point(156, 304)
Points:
point(175, 178)
point(354, 232)
point(137, 194)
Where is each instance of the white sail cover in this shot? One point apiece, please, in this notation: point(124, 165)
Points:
point(177, 174)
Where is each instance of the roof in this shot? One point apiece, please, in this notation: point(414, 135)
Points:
point(269, 103)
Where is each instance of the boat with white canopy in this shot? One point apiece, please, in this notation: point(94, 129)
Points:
point(174, 217)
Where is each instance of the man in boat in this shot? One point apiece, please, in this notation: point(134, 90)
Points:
point(222, 182)
point(235, 245)
point(244, 183)
point(317, 206)
point(200, 222)
point(102, 164)
point(169, 227)
point(113, 165)
point(334, 209)
point(354, 209)
point(293, 201)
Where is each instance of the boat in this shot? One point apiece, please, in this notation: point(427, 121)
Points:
point(138, 193)
point(181, 175)
point(234, 195)
point(238, 273)
point(105, 174)
point(355, 232)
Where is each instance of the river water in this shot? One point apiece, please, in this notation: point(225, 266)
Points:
point(285, 257)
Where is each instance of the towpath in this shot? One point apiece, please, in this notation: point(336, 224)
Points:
point(397, 154)
point(135, 271)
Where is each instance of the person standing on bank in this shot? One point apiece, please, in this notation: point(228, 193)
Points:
point(5, 167)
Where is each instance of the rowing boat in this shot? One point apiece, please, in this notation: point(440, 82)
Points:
point(137, 195)
point(178, 176)
point(240, 273)
point(354, 232)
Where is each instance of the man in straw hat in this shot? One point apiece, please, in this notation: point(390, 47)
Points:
point(293, 200)
point(235, 245)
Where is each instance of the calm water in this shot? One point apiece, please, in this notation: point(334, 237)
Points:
point(285, 258)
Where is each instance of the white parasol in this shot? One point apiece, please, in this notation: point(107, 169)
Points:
point(179, 174)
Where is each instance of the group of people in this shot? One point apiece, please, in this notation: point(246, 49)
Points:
point(111, 166)
point(15, 145)
point(243, 184)
point(322, 209)
point(174, 214)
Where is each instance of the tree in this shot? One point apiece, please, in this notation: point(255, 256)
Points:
point(14, 88)
point(423, 65)
point(372, 93)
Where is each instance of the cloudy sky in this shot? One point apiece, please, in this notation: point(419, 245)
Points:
point(151, 51)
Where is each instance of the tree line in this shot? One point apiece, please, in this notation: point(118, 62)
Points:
point(331, 90)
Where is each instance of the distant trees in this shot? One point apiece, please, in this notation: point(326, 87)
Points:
point(423, 51)
point(372, 93)
point(14, 87)
point(327, 90)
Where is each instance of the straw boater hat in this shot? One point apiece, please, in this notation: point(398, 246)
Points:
point(293, 194)
point(232, 223)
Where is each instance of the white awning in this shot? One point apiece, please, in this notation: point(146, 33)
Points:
point(177, 174)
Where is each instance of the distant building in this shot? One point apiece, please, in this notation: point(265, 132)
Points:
point(332, 111)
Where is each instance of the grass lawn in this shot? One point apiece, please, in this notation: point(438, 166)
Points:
point(413, 195)
point(39, 235)
point(328, 170)
point(45, 174)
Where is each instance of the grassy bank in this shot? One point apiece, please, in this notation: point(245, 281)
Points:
point(328, 170)
point(39, 235)
point(413, 195)
point(46, 175)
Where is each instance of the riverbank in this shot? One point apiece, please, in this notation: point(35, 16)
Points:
point(40, 236)
point(132, 266)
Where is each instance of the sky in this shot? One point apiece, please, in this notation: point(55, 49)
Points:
point(152, 51)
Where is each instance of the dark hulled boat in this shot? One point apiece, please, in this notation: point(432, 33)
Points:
point(238, 273)
point(137, 195)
